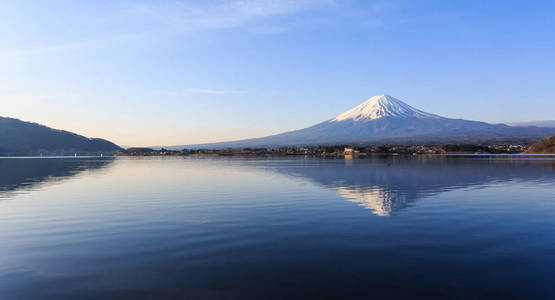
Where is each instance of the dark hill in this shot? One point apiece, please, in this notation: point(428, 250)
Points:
point(25, 138)
point(544, 146)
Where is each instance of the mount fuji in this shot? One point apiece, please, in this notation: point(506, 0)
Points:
point(384, 119)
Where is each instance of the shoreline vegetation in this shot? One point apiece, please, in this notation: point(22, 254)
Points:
point(545, 146)
point(348, 150)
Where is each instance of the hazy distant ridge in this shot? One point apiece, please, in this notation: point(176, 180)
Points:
point(547, 123)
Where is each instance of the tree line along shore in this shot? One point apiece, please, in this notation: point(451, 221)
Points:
point(543, 146)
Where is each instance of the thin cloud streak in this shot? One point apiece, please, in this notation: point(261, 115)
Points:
point(213, 92)
point(185, 16)
point(189, 91)
point(221, 15)
point(70, 46)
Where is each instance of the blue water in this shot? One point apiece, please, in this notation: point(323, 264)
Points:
point(428, 227)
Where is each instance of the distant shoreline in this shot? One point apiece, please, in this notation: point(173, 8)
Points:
point(337, 150)
point(543, 147)
point(513, 155)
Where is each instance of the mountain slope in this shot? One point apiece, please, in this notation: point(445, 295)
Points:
point(21, 137)
point(548, 123)
point(544, 146)
point(384, 119)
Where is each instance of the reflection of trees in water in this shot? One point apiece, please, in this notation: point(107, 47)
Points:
point(388, 184)
point(25, 173)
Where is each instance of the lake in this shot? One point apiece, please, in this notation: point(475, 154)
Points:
point(389, 227)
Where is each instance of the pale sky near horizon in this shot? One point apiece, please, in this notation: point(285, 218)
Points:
point(145, 73)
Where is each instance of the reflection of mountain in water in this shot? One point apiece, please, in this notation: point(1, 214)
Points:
point(25, 173)
point(381, 201)
point(389, 184)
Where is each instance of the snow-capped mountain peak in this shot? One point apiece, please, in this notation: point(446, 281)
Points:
point(382, 106)
point(384, 119)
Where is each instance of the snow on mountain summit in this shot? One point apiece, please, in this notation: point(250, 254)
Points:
point(382, 106)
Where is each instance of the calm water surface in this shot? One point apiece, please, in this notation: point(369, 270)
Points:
point(235, 228)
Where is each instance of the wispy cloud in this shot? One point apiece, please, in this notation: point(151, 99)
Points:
point(190, 91)
point(255, 15)
point(70, 46)
point(213, 92)
point(196, 15)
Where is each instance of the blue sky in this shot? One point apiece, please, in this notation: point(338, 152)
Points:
point(180, 72)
